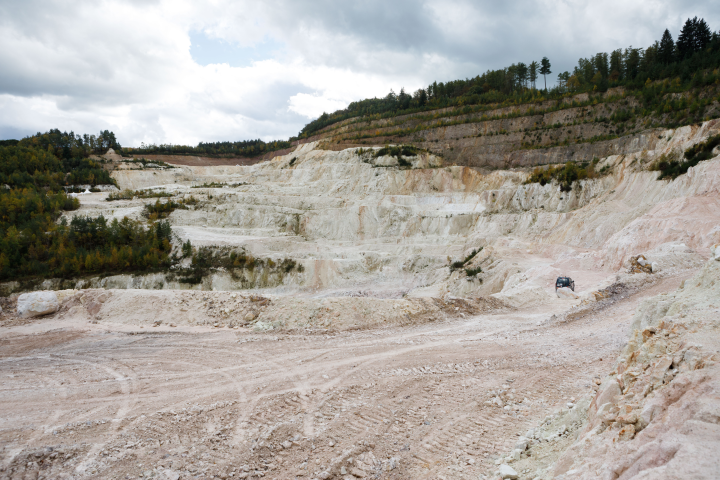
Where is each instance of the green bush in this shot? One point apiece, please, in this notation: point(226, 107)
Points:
point(671, 169)
point(207, 260)
point(398, 151)
point(471, 272)
point(461, 263)
point(162, 209)
point(128, 194)
point(565, 175)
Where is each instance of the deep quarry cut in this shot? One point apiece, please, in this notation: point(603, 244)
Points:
point(388, 349)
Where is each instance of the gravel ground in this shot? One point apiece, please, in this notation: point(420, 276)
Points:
point(116, 400)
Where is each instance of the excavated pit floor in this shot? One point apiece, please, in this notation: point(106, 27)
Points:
point(120, 401)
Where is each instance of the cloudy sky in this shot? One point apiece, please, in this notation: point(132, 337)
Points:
point(176, 71)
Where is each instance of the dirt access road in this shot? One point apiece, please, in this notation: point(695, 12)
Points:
point(83, 400)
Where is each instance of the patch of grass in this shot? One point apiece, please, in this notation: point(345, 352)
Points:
point(207, 260)
point(671, 169)
point(220, 185)
point(160, 210)
point(128, 194)
point(565, 175)
point(471, 272)
point(461, 263)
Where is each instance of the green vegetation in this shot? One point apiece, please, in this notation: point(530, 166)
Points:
point(32, 167)
point(33, 244)
point(471, 272)
point(147, 163)
point(245, 148)
point(66, 145)
point(160, 210)
point(673, 168)
point(461, 263)
point(206, 260)
point(565, 175)
point(691, 63)
point(129, 195)
point(220, 185)
point(398, 151)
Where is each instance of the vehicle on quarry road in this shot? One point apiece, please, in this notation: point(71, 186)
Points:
point(564, 282)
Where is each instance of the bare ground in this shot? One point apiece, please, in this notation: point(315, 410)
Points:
point(110, 400)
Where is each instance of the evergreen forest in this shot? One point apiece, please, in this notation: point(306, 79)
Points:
point(34, 173)
point(690, 61)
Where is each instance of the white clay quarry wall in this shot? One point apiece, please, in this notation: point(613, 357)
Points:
point(350, 224)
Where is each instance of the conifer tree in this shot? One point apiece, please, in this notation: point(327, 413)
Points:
point(522, 74)
point(534, 66)
point(545, 69)
point(666, 51)
point(617, 65)
point(686, 39)
point(703, 35)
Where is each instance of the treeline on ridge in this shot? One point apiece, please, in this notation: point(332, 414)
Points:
point(33, 174)
point(691, 60)
point(245, 148)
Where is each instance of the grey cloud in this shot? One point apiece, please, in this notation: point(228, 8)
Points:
point(394, 36)
point(74, 53)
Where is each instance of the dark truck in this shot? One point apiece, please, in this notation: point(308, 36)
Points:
point(564, 282)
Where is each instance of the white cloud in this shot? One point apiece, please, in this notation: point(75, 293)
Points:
point(126, 65)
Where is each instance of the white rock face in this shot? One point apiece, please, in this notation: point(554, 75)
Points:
point(567, 293)
point(507, 472)
point(668, 382)
point(715, 252)
point(394, 232)
point(37, 303)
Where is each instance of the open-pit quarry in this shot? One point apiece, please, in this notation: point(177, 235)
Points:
point(397, 319)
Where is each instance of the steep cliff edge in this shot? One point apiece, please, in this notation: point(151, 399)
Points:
point(356, 226)
point(657, 415)
point(578, 128)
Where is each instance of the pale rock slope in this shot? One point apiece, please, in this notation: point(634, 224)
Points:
point(388, 232)
point(657, 415)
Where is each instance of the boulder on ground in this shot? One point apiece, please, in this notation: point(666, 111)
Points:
point(507, 472)
point(35, 304)
point(168, 474)
point(566, 292)
point(715, 252)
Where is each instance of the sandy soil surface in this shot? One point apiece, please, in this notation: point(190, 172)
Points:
point(116, 400)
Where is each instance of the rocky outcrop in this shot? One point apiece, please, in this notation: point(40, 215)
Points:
point(359, 223)
point(36, 304)
point(567, 293)
point(658, 414)
point(576, 129)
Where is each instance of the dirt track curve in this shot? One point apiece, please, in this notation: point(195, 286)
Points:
point(110, 401)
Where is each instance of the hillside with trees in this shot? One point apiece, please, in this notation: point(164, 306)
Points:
point(35, 173)
point(690, 62)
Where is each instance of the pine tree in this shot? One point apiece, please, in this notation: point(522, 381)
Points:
point(686, 40)
point(617, 65)
point(631, 58)
point(666, 52)
point(534, 66)
point(522, 74)
point(703, 35)
point(545, 69)
point(600, 62)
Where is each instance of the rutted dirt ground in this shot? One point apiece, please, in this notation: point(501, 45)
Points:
point(120, 401)
point(382, 358)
